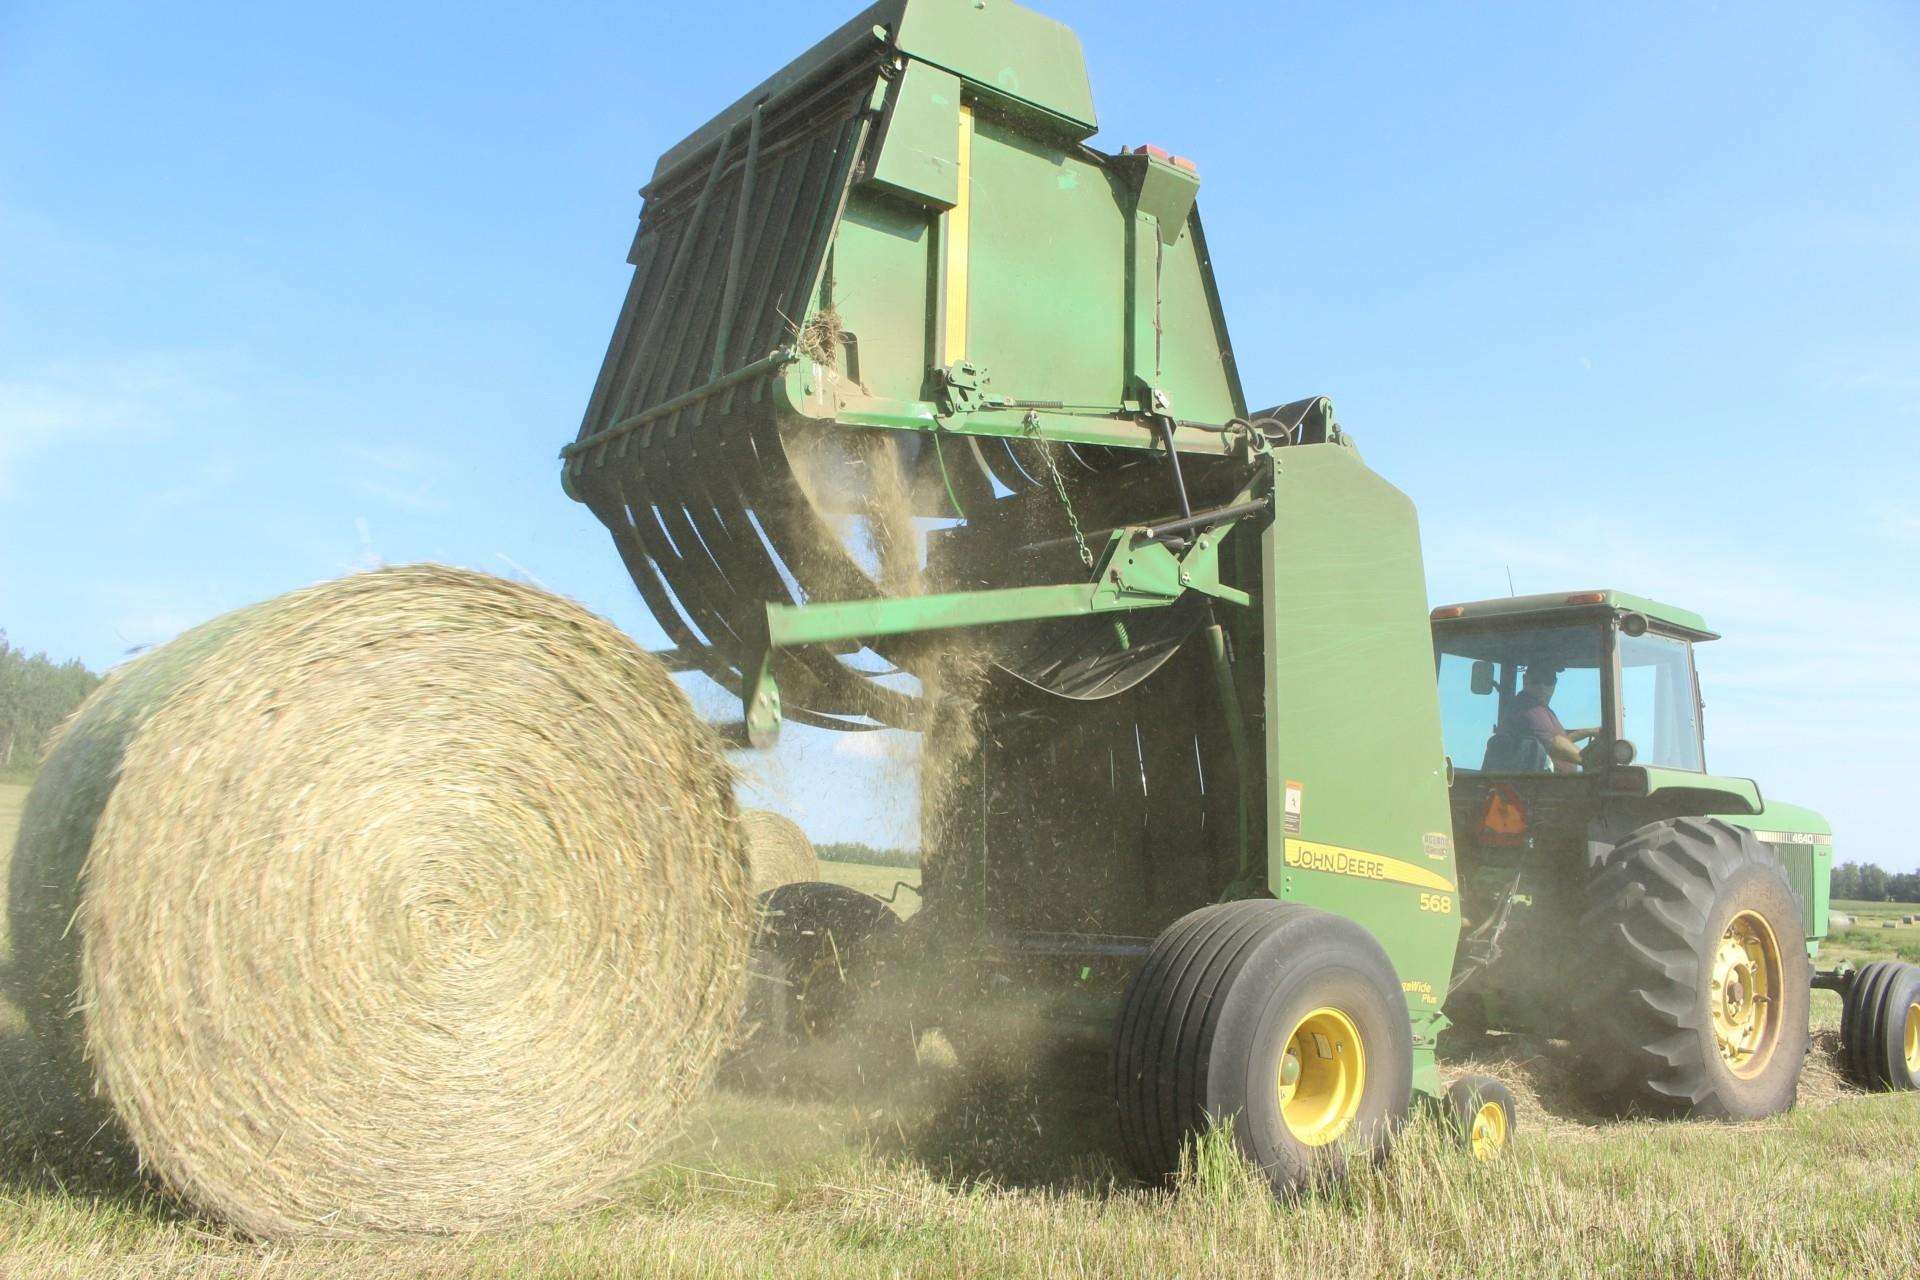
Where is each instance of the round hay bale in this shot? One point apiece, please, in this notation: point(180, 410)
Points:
point(777, 850)
point(411, 901)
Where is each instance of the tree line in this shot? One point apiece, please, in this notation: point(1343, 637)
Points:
point(854, 851)
point(1866, 882)
point(36, 694)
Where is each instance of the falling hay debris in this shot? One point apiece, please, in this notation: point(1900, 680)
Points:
point(411, 901)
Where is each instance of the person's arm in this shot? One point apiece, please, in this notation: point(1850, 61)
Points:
point(1556, 741)
point(1561, 748)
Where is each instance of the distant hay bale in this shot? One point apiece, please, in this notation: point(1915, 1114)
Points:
point(411, 901)
point(777, 850)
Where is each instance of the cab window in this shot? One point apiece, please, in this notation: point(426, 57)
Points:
point(1491, 720)
point(1659, 712)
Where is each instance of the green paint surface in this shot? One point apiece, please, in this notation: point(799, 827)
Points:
point(1557, 601)
point(1809, 865)
point(1352, 724)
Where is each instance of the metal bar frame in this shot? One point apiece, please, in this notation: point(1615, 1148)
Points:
point(1135, 572)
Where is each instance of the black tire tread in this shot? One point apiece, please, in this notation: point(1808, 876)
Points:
point(1873, 1022)
point(1160, 1091)
point(1648, 912)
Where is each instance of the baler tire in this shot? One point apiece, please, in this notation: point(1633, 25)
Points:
point(1663, 907)
point(822, 942)
point(1205, 1029)
point(1880, 1027)
point(1470, 1102)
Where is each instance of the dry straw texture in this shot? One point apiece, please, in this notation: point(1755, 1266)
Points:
point(777, 849)
point(411, 901)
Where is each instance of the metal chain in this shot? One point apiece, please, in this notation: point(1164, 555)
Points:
point(1032, 425)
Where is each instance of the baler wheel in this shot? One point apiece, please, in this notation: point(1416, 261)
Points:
point(1880, 1026)
point(1699, 989)
point(1284, 1023)
point(818, 950)
point(1480, 1114)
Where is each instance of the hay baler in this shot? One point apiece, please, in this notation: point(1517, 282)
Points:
point(921, 413)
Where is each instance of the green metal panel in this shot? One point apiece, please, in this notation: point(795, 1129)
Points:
point(1027, 62)
point(1166, 195)
point(920, 151)
point(880, 272)
point(1029, 59)
point(1048, 261)
point(1144, 332)
point(1686, 791)
point(1357, 813)
point(1196, 358)
point(1804, 842)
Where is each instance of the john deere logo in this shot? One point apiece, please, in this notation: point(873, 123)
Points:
point(1314, 856)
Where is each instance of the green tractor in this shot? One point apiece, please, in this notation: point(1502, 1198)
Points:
point(921, 413)
point(1618, 894)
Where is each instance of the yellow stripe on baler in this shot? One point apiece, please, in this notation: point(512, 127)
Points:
point(959, 246)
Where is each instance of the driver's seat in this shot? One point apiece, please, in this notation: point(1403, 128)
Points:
point(1509, 752)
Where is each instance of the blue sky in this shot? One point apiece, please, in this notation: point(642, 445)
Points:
point(1621, 294)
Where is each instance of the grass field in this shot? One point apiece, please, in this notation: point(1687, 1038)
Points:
point(1008, 1176)
point(1877, 930)
point(879, 881)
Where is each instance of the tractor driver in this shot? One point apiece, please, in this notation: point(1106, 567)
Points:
point(1529, 716)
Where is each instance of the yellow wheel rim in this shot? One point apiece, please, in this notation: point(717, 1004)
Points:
point(1489, 1133)
point(1913, 1041)
point(1743, 994)
point(1322, 1075)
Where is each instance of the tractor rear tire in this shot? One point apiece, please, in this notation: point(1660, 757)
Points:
point(1699, 994)
point(1880, 1026)
point(1285, 1023)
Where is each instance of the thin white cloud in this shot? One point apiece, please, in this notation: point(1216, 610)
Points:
point(401, 476)
point(96, 403)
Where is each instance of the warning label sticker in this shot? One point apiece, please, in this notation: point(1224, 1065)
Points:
point(1294, 802)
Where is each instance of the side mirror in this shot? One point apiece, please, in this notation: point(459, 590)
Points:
point(1623, 752)
point(1633, 624)
point(1481, 679)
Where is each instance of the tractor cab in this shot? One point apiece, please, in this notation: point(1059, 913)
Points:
point(1569, 685)
point(1569, 719)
